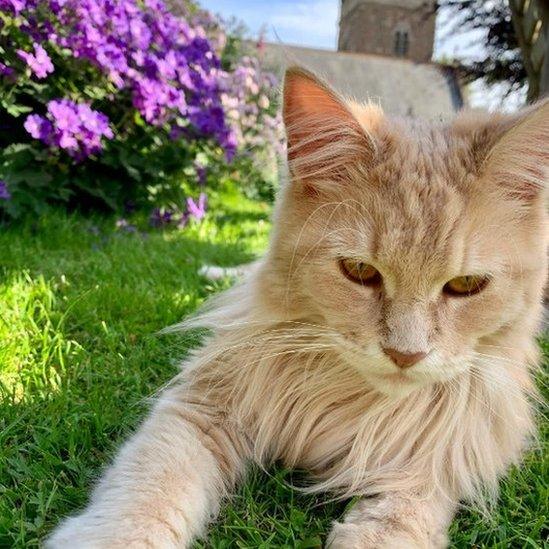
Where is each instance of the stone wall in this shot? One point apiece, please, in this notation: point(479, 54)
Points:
point(401, 87)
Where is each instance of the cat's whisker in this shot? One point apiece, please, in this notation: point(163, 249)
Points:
point(299, 237)
point(325, 235)
point(507, 385)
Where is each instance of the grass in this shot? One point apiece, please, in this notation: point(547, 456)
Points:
point(80, 307)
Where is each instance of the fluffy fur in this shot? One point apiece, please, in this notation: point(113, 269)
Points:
point(294, 369)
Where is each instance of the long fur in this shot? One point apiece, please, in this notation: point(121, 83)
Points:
point(305, 406)
point(294, 367)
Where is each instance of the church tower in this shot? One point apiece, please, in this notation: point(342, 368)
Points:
point(399, 28)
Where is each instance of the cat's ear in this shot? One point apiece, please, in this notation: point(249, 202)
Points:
point(324, 137)
point(519, 159)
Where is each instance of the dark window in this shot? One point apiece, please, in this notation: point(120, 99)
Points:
point(402, 43)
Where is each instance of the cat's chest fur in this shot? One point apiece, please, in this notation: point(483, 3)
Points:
point(312, 412)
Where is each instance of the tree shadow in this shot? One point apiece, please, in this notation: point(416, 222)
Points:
point(242, 216)
point(88, 301)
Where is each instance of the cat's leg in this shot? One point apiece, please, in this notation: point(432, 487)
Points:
point(166, 483)
point(394, 521)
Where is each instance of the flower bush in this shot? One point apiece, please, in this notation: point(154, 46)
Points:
point(254, 117)
point(119, 102)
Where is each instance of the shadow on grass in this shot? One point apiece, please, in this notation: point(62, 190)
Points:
point(50, 260)
point(80, 307)
point(242, 216)
point(267, 512)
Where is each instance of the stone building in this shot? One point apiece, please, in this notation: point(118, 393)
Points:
point(385, 50)
point(398, 28)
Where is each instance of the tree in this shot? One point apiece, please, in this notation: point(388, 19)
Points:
point(500, 59)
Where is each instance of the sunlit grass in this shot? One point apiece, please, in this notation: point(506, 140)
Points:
point(81, 304)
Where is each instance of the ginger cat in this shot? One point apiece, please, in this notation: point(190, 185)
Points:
point(385, 342)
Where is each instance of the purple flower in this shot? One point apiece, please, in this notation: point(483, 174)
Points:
point(229, 142)
point(94, 122)
point(38, 127)
point(16, 6)
point(201, 174)
point(74, 127)
point(4, 193)
point(183, 220)
point(64, 114)
point(164, 63)
point(169, 64)
point(160, 217)
point(198, 211)
point(5, 70)
point(140, 33)
point(39, 62)
point(156, 99)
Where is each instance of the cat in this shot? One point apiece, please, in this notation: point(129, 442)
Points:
point(385, 343)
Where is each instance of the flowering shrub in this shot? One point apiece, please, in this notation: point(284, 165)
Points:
point(111, 102)
point(256, 121)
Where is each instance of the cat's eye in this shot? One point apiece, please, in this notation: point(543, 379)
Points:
point(359, 272)
point(463, 286)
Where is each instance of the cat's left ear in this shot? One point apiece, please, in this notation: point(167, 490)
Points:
point(324, 136)
point(519, 160)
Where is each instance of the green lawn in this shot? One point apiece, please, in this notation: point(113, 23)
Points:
point(81, 303)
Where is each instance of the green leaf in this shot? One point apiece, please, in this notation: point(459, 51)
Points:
point(15, 110)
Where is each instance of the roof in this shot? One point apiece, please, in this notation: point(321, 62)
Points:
point(400, 86)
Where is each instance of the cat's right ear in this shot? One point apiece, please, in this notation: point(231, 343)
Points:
point(519, 161)
point(325, 139)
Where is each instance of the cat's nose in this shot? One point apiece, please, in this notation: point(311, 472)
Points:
point(403, 360)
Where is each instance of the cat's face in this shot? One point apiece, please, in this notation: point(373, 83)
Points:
point(411, 244)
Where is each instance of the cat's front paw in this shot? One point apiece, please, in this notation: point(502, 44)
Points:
point(89, 532)
point(391, 521)
point(78, 532)
point(357, 536)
